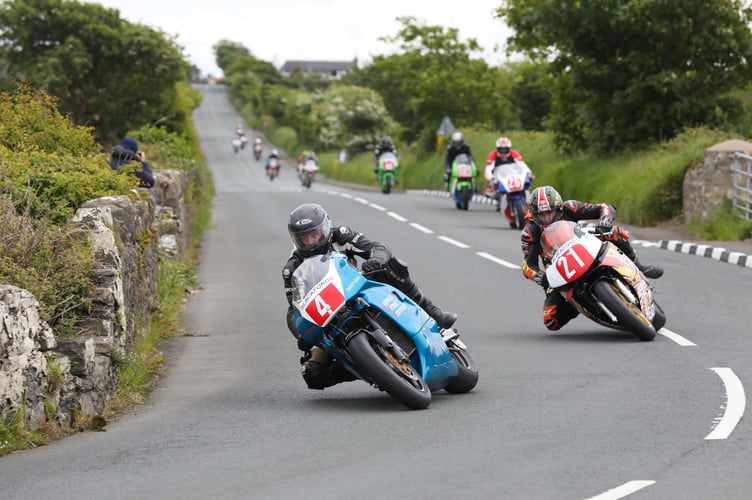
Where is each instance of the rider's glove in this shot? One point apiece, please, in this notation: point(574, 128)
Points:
point(540, 278)
point(372, 265)
point(605, 223)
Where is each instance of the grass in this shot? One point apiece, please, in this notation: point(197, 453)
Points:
point(645, 185)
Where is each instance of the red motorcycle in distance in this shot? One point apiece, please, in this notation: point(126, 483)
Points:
point(272, 168)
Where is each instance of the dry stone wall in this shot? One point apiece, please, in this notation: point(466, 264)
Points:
point(709, 184)
point(48, 377)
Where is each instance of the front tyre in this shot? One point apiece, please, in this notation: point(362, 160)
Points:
point(627, 314)
point(467, 375)
point(387, 184)
point(519, 212)
point(400, 381)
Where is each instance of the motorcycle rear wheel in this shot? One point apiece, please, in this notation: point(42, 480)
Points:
point(400, 381)
point(627, 313)
point(467, 377)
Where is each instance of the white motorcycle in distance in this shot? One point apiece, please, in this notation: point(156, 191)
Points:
point(307, 172)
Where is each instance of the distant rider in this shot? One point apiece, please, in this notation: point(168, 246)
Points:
point(455, 148)
point(274, 155)
point(386, 145)
point(312, 234)
point(501, 155)
point(546, 207)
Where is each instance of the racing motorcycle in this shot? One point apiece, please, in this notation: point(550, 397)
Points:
point(272, 168)
point(387, 171)
point(599, 280)
point(257, 149)
point(462, 181)
point(307, 172)
point(377, 333)
point(512, 182)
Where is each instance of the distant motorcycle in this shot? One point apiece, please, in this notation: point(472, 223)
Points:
point(308, 172)
point(387, 171)
point(462, 181)
point(512, 183)
point(272, 168)
point(257, 149)
point(377, 333)
point(599, 280)
point(236, 144)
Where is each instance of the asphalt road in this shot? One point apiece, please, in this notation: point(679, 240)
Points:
point(582, 413)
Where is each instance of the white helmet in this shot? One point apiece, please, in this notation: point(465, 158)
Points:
point(458, 139)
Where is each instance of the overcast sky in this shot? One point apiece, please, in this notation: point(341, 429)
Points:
point(281, 30)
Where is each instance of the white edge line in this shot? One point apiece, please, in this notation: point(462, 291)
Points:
point(344, 195)
point(396, 216)
point(453, 242)
point(377, 207)
point(622, 491)
point(361, 200)
point(421, 228)
point(676, 338)
point(497, 260)
point(735, 403)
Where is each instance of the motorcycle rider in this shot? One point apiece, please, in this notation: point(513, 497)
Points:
point(273, 155)
point(501, 155)
point(312, 234)
point(546, 207)
point(386, 145)
point(303, 158)
point(455, 148)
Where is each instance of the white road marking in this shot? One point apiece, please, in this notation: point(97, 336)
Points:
point(622, 491)
point(361, 200)
point(735, 403)
point(498, 260)
point(396, 216)
point(676, 337)
point(377, 207)
point(421, 228)
point(453, 242)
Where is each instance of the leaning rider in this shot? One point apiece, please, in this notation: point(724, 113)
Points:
point(547, 207)
point(312, 234)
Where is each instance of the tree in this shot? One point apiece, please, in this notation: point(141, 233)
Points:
point(634, 71)
point(226, 52)
point(435, 76)
point(107, 73)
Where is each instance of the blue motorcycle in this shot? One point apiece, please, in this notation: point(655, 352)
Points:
point(377, 333)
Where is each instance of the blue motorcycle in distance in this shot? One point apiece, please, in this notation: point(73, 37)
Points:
point(378, 333)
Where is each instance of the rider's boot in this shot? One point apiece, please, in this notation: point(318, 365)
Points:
point(652, 272)
point(320, 371)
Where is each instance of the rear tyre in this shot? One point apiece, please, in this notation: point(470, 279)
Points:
point(627, 313)
point(467, 376)
point(400, 381)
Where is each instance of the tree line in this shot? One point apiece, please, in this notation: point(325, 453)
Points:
point(601, 76)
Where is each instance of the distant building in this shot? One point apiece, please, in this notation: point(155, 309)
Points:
point(331, 70)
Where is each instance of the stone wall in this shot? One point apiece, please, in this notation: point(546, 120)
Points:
point(45, 375)
point(709, 184)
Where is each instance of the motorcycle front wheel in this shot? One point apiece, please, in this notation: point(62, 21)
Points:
point(519, 212)
point(627, 313)
point(399, 380)
point(387, 184)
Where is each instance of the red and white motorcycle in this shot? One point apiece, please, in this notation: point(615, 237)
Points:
point(599, 280)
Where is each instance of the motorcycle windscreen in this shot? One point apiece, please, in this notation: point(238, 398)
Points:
point(570, 251)
point(511, 177)
point(388, 162)
point(318, 293)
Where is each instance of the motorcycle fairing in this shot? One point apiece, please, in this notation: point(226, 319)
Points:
point(324, 284)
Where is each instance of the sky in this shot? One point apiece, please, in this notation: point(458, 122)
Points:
point(324, 30)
